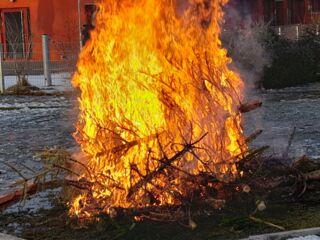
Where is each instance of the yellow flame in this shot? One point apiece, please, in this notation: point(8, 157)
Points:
point(152, 77)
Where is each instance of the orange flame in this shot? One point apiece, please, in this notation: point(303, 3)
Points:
point(154, 77)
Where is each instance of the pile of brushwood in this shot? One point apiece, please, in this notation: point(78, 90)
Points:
point(263, 181)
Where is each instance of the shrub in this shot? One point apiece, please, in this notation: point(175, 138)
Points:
point(271, 61)
point(293, 62)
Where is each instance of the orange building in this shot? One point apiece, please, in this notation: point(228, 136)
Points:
point(23, 22)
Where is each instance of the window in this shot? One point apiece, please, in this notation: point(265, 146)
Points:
point(15, 33)
point(315, 5)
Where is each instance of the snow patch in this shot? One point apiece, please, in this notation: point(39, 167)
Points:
point(311, 237)
point(61, 82)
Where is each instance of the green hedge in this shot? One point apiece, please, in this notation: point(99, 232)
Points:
point(278, 62)
point(293, 62)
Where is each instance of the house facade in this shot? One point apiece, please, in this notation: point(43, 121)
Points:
point(279, 12)
point(23, 22)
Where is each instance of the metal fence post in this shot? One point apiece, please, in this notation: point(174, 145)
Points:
point(46, 60)
point(2, 85)
point(279, 31)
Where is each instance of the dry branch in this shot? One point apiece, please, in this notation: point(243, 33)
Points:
point(255, 152)
point(16, 195)
point(32, 187)
point(258, 220)
point(165, 163)
point(312, 176)
point(29, 188)
point(253, 136)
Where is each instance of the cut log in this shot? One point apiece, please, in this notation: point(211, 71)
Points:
point(30, 188)
point(17, 194)
point(313, 176)
point(250, 106)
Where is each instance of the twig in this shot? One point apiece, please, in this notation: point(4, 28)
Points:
point(286, 152)
point(165, 164)
point(253, 136)
point(81, 164)
point(14, 169)
point(258, 220)
point(176, 168)
point(40, 174)
point(255, 152)
point(66, 169)
point(304, 186)
point(29, 188)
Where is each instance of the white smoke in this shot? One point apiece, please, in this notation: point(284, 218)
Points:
point(244, 40)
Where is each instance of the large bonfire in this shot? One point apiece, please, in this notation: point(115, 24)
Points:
point(159, 104)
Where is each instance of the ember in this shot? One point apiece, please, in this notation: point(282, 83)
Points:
point(159, 106)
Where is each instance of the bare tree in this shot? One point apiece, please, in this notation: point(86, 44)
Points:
point(18, 47)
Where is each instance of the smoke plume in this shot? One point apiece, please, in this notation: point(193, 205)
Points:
point(244, 40)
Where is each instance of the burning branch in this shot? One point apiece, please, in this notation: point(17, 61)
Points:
point(250, 106)
point(165, 163)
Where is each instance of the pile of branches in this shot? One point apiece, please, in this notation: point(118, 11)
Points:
point(262, 179)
